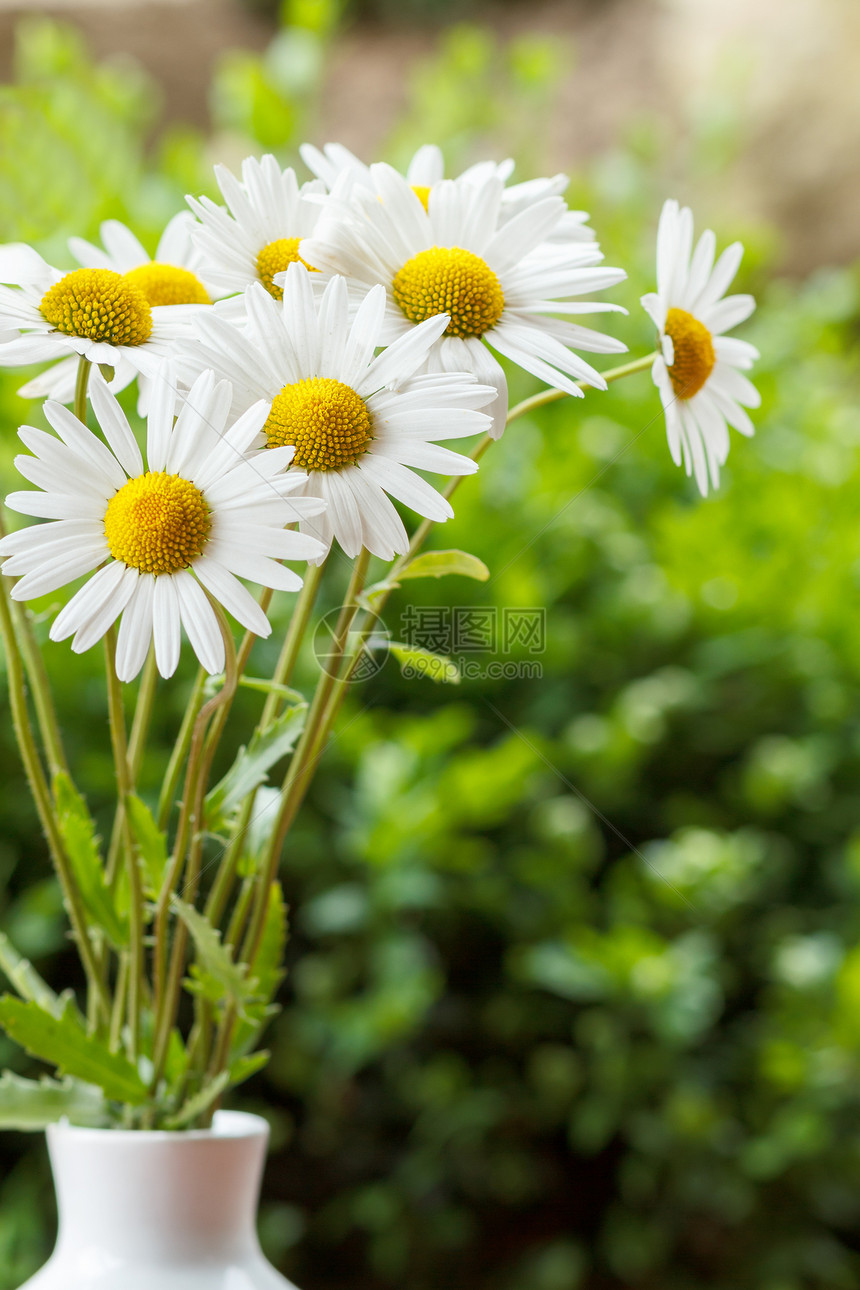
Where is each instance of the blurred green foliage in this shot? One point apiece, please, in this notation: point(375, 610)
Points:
point(575, 978)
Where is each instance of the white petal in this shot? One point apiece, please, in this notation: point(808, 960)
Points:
point(407, 487)
point(99, 603)
point(60, 571)
point(404, 356)
point(200, 622)
point(166, 625)
point(728, 312)
point(135, 630)
point(235, 598)
point(114, 424)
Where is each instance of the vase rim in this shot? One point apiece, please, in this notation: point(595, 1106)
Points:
point(226, 1125)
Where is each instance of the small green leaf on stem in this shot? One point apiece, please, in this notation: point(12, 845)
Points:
point(82, 845)
point(151, 843)
point(252, 764)
point(438, 564)
point(30, 1105)
point(423, 662)
point(64, 1043)
point(214, 975)
point(199, 1103)
point(26, 980)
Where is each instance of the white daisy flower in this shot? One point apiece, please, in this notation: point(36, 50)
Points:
point(500, 282)
point(361, 426)
point(699, 371)
point(164, 536)
point(172, 277)
point(427, 168)
point(94, 313)
point(258, 235)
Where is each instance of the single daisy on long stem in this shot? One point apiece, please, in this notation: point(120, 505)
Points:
point(164, 535)
point(699, 371)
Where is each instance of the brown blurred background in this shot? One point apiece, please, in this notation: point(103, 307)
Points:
point(787, 71)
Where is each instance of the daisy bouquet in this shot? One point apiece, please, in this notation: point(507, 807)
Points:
point(304, 355)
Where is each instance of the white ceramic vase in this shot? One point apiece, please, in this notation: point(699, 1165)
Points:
point(159, 1211)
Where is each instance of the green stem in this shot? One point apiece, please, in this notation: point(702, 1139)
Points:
point(180, 750)
point(283, 672)
point(119, 1000)
point(83, 380)
point(136, 744)
point(124, 784)
point(44, 804)
point(168, 981)
point(220, 719)
point(292, 791)
point(298, 773)
point(142, 715)
point(552, 396)
point(46, 716)
point(282, 675)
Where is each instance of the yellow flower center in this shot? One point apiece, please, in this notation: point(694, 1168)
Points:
point(449, 280)
point(422, 192)
point(276, 257)
point(325, 419)
point(100, 305)
point(157, 523)
point(166, 284)
point(694, 353)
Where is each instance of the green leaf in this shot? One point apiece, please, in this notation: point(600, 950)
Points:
point(268, 965)
point(30, 1105)
point(199, 1102)
point(252, 764)
point(438, 564)
point(151, 844)
point(64, 1043)
point(423, 662)
point(244, 1067)
point(267, 974)
point(26, 980)
point(214, 975)
point(82, 844)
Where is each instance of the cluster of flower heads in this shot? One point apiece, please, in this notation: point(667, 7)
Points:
point(301, 352)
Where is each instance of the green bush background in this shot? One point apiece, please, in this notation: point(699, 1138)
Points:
point(574, 998)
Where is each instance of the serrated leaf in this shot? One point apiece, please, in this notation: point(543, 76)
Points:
point(29, 1105)
point(268, 966)
point(199, 1103)
point(244, 1067)
point(252, 764)
point(214, 975)
point(151, 844)
point(82, 845)
point(438, 564)
point(423, 662)
point(26, 980)
point(64, 1043)
point(268, 973)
